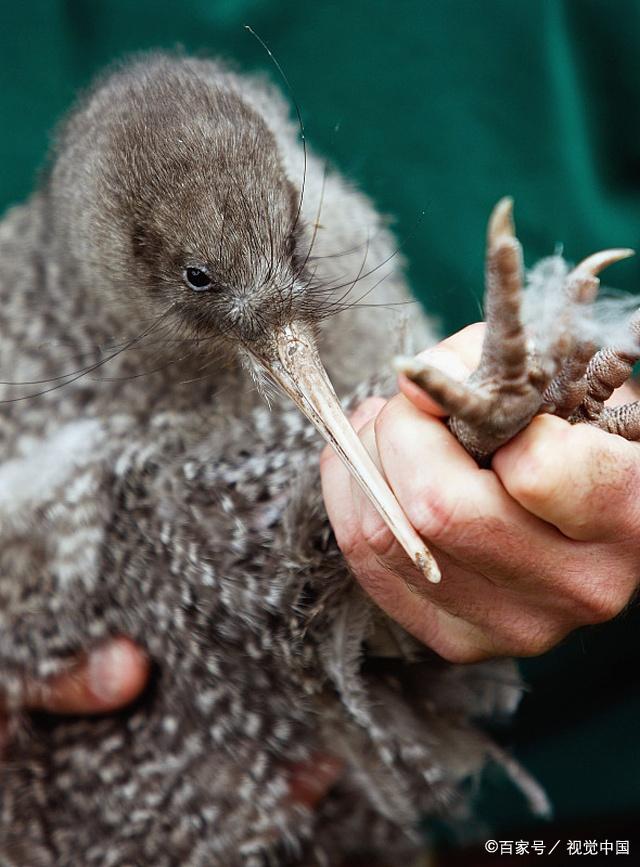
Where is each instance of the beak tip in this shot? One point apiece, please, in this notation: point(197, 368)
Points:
point(428, 566)
point(297, 368)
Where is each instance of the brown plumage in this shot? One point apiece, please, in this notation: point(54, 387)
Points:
point(146, 489)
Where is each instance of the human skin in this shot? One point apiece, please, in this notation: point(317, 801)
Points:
point(545, 541)
point(104, 680)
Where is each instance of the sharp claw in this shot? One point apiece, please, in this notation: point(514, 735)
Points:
point(456, 398)
point(582, 282)
point(501, 221)
point(597, 262)
point(409, 365)
point(511, 384)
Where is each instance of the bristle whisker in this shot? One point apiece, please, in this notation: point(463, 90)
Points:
point(316, 223)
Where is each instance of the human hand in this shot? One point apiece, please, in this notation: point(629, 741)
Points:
point(113, 675)
point(545, 541)
point(104, 680)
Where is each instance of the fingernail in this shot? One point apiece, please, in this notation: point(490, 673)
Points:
point(107, 671)
point(446, 361)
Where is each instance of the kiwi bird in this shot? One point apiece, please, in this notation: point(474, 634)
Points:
point(183, 253)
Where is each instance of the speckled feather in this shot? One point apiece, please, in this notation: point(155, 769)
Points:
point(177, 508)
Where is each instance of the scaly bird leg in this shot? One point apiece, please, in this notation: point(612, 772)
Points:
point(504, 393)
point(609, 369)
point(515, 381)
point(571, 386)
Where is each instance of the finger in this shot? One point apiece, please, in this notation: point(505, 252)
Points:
point(501, 626)
point(367, 410)
point(581, 479)
point(343, 506)
point(510, 630)
point(466, 344)
point(470, 616)
point(458, 356)
point(462, 509)
point(108, 678)
point(389, 578)
point(627, 393)
point(464, 593)
point(467, 619)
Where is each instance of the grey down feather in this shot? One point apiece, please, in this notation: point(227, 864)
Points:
point(178, 508)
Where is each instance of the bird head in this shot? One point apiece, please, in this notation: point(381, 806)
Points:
point(182, 210)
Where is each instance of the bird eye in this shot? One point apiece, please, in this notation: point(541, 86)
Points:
point(197, 279)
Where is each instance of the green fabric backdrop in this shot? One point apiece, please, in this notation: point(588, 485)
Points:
point(437, 109)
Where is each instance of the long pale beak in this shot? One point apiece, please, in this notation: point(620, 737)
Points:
point(296, 367)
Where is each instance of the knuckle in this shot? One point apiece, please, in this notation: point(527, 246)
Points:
point(384, 421)
point(382, 585)
point(430, 510)
point(357, 539)
point(531, 479)
point(614, 489)
point(532, 638)
point(441, 518)
point(378, 539)
point(365, 411)
point(457, 641)
point(348, 538)
point(524, 631)
point(600, 603)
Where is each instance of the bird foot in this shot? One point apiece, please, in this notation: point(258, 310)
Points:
point(521, 375)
